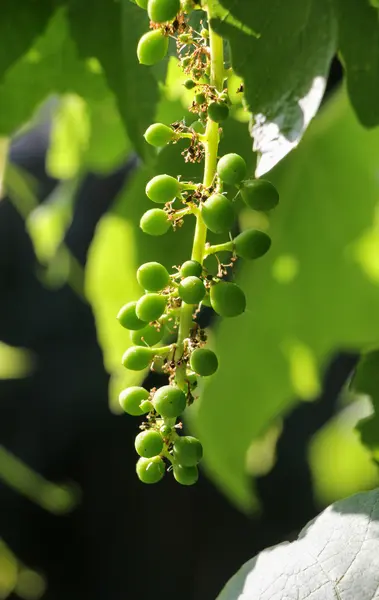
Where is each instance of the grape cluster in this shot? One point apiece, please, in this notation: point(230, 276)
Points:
point(172, 300)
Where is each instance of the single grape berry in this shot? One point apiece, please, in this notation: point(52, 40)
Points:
point(150, 307)
point(227, 299)
point(148, 336)
point(153, 277)
point(127, 317)
point(155, 222)
point(186, 475)
point(137, 358)
point(252, 244)
point(161, 11)
point(159, 135)
point(204, 362)
point(152, 47)
point(191, 290)
point(142, 3)
point(231, 169)
point(200, 98)
point(189, 84)
point(148, 443)
point(218, 111)
point(131, 399)
point(146, 406)
point(162, 189)
point(188, 451)
point(191, 268)
point(165, 431)
point(198, 127)
point(218, 213)
point(259, 194)
point(169, 401)
point(150, 470)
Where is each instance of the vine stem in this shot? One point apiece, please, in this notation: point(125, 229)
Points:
point(211, 141)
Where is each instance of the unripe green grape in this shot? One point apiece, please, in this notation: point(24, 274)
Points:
point(155, 222)
point(142, 3)
point(165, 431)
point(191, 268)
point(188, 451)
point(186, 60)
point(200, 98)
point(227, 299)
point(137, 358)
point(252, 244)
point(162, 189)
point(192, 379)
point(218, 213)
point(218, 111)
point(161, 11)
point(191, 290)
point(198, 127)
point(189, 84)
point(204, 362)
point(150, 307)
point(127, 317)
point(152, 47)
point(149, 335)
point(153, 276)
point(204, 33)
point(148, 443)
point(259, 194)
point(131, 399)
point(146, 406)
point(169, 401)
point(159, 135)
point(150, 470)
point(231, 168)
point(186, 475)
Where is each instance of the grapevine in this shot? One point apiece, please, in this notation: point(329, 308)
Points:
point(172, 301)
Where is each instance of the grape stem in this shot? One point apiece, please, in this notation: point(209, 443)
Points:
point(210, 141)
point(226, 247)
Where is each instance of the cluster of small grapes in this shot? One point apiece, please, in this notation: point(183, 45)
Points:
point(172, 301)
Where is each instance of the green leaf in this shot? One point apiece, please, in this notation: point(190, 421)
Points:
point(284, 69)
point(334, 558)
point(366, 381)
point(358, 24)
point(19, 26)
point(110, 31)
point(314, 293)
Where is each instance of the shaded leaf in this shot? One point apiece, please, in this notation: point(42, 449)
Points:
point(366, 381)
point(336, 557)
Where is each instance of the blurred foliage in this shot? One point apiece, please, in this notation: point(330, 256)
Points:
point(16, 578)
point(366, 381)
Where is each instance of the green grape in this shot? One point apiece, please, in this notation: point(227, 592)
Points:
point(227, 299)
point(163, 188)
point(165, 431)
point(146, 406)
point(231, 168)
point(184, 38)
point(142, 3)
point(187, 59)
point(131, 399)
point(160, 11)
point(218, 111)
point(198, 127)
point(204, 362)
point(218, 213)
point(127, 317)
point(155, 222)
point(150, 470)
point(192, 379)
point(137, 358)
point(252, 244)
point(188, 451)
point(204, 33)
point(189, 84)
point(200, 98)
point(169, 401)
point(150, 307)
point(148, 443)
point(152, 47)
point(191, 268)
point(153, 277)
point(259, 194)
point(159, 135)
point(149, 335)
point(186, 475)
point(191, 290)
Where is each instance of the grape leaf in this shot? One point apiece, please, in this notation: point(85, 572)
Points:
point(315, 292)
point(284, 69)
point(366, 381)
point(336, 557)
point(358, 24)
point(111, 35)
